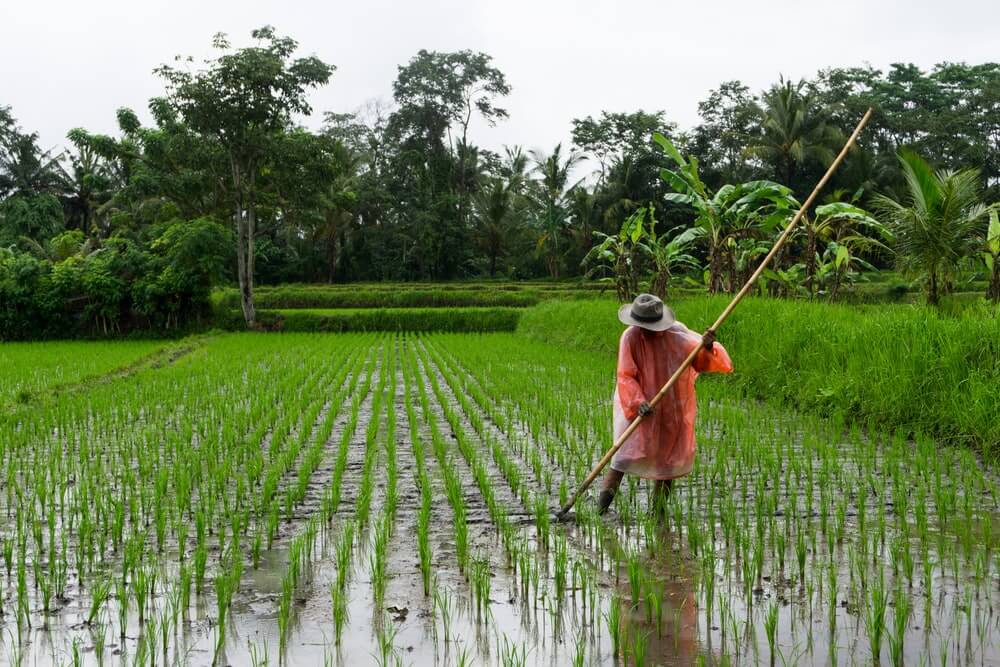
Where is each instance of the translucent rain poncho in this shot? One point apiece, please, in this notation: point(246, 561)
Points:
point(663, 446)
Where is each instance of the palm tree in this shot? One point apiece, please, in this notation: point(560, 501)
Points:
point(27, 170)
point(87, 185)
point(497, 205)
point(938, 223)
point(550, 202)
point(793, 131)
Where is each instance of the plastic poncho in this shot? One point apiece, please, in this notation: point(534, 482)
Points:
point(663, 446)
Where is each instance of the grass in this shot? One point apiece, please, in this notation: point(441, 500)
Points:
point(323, 297)
point(28, 369)
point(334, 469)
point(892, 367)
point(378, 319)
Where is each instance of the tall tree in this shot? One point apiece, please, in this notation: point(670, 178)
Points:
point(550, 198)
point(794, 133)
point(937, 224)
point(241, 101)
point(439, 94)
point(730, 123)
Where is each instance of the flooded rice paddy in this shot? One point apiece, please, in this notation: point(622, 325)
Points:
point(388, 499)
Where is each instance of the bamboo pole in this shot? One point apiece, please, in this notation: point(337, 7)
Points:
point(722, 317)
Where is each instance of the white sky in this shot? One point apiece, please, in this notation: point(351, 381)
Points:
point(65, 64)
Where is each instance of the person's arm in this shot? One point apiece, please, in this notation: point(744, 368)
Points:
point(629, 391)
point(712, 358)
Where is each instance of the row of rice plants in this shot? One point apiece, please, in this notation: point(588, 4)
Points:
point(109, 487)
point(764, 514)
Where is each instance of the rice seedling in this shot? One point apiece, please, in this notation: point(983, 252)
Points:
point(874, 615)
point(340, 612)
point(254, 447)
point(444, 604)
point(770, 627)
point(613, 619)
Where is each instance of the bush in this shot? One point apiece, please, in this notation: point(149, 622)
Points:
point(122, 287)
point(461, 320)
point(337, 297)
point(905, 367)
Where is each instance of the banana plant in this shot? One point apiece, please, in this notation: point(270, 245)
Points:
point(787, 281)
point(838, 265)
point(849, 227)
point(991, 257)
point(669, 255)
point(619, 256)
point(738, 211)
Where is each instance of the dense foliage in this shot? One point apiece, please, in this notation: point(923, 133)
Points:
point(401, 191)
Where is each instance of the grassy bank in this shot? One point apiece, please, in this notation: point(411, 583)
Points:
point(901, 367)
point(406, 295)
point(459, 320)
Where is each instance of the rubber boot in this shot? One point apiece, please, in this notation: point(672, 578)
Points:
point(605, 500)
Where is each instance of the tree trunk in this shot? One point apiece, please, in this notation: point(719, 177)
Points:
point(932, 289)
point(244, 249)
point(993, 292)
point(332, 253)
point(714, 270)
point(811, 260)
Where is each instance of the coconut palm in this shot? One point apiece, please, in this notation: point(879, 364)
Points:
point(793, 131)
point(550, 201)
point(937, 224)
point(497, 205)
point(87, 185)
point(26, 170)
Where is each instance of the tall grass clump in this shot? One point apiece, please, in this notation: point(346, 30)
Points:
point(896, 367)
point(459, 320)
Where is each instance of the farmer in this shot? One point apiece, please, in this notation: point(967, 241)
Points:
point(651, 349)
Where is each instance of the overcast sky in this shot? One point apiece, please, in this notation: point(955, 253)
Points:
point(65, 64)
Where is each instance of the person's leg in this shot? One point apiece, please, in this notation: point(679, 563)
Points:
point(612, 480)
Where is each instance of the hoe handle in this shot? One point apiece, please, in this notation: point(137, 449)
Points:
point(722, 317)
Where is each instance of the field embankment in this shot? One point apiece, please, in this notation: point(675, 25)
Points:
point(401, 295)
point(898, 367)
point(342, 320)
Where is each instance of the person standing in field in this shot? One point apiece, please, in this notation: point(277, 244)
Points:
point(653, 346)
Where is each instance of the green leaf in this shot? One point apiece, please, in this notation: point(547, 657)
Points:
point(994, 231)
point(669, 148)
point(674, 180)
point(680, 198)
point(843, 255)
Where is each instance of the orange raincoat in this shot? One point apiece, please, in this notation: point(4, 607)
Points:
point(663, 446)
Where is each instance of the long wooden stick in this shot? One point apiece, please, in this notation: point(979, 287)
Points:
point(722, 318)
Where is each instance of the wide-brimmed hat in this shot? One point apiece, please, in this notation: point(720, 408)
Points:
point(648, 312)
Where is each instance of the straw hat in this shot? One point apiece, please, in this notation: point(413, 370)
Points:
point(647, 312)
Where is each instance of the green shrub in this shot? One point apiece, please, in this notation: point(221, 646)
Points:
point(379, 319)
point(907, 367)
point(309, 297)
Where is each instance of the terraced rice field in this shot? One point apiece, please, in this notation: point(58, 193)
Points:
point(388, 499)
